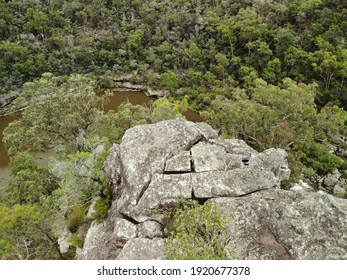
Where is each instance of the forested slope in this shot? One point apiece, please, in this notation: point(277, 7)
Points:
point(204, 42)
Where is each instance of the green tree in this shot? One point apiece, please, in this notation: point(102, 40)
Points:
point(284, 117)
point(113, 124)
point(284, 39)
point(197, 232)
point(28, 183)
point(259, 54)
point(37, 21)
point(248, 75)
point(228, 29)
point(247, 22)
point(81, 178)
point(134, 40)
point(169, 80)
point(223, 63)
point(325, 62)
point(54, 119)
point(273, 71)
point(5, 20)
point(19, 64)
point(165, 109)
point(26, 233)
point(192, 56)
point(331, 123)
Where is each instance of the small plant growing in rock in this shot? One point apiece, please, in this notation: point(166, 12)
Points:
point(102, 206)
point(77, 241)
point(75, 218)
point(197, 232)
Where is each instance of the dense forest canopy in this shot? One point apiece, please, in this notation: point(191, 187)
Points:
point(229, 42)
point(271, 72)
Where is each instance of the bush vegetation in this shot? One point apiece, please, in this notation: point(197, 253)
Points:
point(76, 241)
point(197, 232)
point(75, 218)
point(102, 205)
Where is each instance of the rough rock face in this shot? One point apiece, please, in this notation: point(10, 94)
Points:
point(157, 165)
point(278, 224)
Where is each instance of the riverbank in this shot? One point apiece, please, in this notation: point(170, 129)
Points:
point(120, 84)
point(123, 83)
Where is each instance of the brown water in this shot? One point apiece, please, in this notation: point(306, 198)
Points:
point(4, 159)
point(139, 98)
point(136, 98)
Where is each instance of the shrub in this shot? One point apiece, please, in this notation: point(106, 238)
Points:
point(75, 218)
point(102, 206)
point(76, 241)
point(197, 232)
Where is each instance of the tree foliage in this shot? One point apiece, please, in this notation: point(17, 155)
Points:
point(166, 109)
point(281, 116)
point(28, 183)
point(26, 232)
point(302, 40)
point(198, 232)
point(63, 114)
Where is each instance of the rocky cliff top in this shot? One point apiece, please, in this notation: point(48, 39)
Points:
point(158, 164)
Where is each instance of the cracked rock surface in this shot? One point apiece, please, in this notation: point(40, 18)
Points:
point(278, 224)
point(158, 164)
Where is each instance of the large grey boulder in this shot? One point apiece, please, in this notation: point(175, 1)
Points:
point(157, 165)
point(235, 147)
point(278, 224)
point(64, 242)
point(144, 150)
point(340, 189)
point(150, 229)
point(165, 187)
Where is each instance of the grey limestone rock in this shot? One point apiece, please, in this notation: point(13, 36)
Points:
point(91, 211)
point(142, 249)
point(124, 230)
point(206, 131)
point(99, 244)
point(63, 241)
point(112, 165)
point(156, 165)
point(144, 150)
point(331, 179)
point(340, 189)
point(150, 229)
point(278, 224)
point(301, 187)
point(165, 187)
point(234, 146)
point(179, 163)
point(232, 183)
point(274, 160)
point(208, 157)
